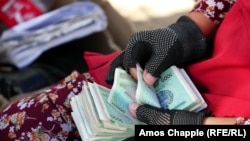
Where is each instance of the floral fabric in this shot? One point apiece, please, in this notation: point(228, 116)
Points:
point(45, 116)
point(214, 9)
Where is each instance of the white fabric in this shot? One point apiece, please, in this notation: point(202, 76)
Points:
point(24, 43)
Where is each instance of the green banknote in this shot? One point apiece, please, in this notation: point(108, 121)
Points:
point(115, 116)
point(123, 93)
point(145, 94)
point(174, 92)
point(90, 125)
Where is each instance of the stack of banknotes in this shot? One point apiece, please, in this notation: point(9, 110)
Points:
point(102, 114)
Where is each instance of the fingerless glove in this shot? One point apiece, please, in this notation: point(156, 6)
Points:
point(156, 50)
point(156, 116)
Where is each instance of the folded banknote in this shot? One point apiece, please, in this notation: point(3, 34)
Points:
point(102, 113)
point(173, 90)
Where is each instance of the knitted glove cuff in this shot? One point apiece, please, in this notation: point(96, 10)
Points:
point(192, 39)
point(158, 116)
point(188, 118)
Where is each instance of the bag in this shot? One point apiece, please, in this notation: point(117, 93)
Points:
point(15, 81)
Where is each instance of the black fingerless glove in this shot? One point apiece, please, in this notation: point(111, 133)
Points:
point(156, 50)
point(157, 116)
point(193, 42)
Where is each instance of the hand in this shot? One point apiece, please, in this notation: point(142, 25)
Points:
point(158, 49)
point(156, 116)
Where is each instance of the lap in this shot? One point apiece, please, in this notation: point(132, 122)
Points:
point(43, 116)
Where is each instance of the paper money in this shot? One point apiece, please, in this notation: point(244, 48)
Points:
point(123, 93)
point(101, 109)
point(115, 116)
point(86, 113)
point(201, 102)
point(97, 125)
point(90, 108)
point(81, 126)
point(103, 114)
point(175, 92)
point(145, 94)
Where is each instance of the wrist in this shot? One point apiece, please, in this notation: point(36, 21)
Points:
point(242, 121)
point(206, 25)
point(193, 42)
point(226, 121)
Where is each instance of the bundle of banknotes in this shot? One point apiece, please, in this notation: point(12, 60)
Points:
point(101, 113)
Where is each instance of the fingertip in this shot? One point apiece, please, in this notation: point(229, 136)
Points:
point(132, 108)
point(133, 73)
point(148, 78)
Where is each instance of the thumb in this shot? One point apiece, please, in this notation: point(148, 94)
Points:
point(132, 109)
point(148, 78)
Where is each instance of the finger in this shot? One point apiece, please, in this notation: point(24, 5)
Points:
point(158, 62)
point(148, 78)
point(149, 114)
point(132, 108)
point(133, 73)
point(155, 69)
point(138, 50)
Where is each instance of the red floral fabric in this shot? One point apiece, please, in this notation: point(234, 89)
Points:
point(45, 116)
point(214, 9)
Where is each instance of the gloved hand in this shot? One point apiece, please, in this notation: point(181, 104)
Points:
point(158, 116)
point(158, 49)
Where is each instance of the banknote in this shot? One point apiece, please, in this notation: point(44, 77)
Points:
point(91, 111)
point(174, 92)
point(145, 94)
point(85, 113)
point(104, 111)
point(96, 124)
point(202, 103)
point(103, 114)
point(100, 107)
point(117, 118)
point(79, 118)
point(123, 93)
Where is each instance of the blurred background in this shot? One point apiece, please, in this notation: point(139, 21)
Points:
point(124, 17)
point(149, 14)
